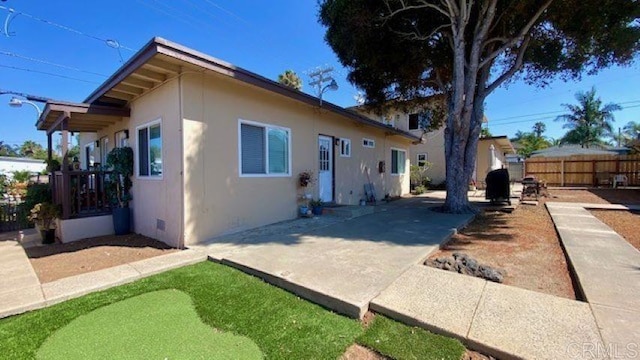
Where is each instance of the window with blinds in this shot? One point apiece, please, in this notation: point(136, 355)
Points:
point(264, 150)
point(398, 161)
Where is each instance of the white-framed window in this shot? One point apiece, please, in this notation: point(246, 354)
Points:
point(104, 150)
point(368, 143)
point(345, 147)
point(122, 139)
point(149, 140)
point(89, 155)
point(398, 161)
point(422, 159)
point(264, 150)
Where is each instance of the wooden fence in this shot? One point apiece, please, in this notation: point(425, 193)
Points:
point(13, 217)
point(584, 170)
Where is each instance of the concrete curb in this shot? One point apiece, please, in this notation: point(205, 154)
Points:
point(75, 286)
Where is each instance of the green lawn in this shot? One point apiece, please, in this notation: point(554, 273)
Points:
point(282, 325)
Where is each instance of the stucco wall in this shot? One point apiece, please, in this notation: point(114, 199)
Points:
point(219, 201)
point(483, 160)
point(154, 200)
point(433, 146)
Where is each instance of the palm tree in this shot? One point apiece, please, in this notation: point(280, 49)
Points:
point(291, 79)
point(589, 121)
point(539, 128)
point(632, 130)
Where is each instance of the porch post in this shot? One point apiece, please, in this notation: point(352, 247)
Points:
point(66, 178)
point(52, 173)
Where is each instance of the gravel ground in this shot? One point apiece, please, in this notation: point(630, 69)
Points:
point(57, 261)
point(524, 243)
point(624, 223)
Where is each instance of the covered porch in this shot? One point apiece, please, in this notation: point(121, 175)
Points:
point(79, 192)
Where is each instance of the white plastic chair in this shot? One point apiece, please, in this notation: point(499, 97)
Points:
point(620, 179)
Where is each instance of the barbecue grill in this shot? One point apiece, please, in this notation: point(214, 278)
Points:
point(498, 186)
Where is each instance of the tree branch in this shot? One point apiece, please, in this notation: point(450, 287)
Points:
point(520, 35)
point(404, 7)
point(514, 68)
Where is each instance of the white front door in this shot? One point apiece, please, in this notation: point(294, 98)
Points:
point(325, 168)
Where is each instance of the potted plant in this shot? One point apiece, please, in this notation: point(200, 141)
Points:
point(316, 206)
point(305, 178)
point(44, 215)
point(118, 186)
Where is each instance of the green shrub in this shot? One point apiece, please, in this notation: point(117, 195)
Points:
point(22, 176)
point(36, 194)
point(420, 189)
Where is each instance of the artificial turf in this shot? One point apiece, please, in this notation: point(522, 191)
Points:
point(402, 342)
point(282, 325)
point(156, 325)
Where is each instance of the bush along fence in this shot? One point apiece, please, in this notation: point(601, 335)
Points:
point(585, 170)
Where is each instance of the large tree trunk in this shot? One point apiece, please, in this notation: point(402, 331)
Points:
point(460, 154)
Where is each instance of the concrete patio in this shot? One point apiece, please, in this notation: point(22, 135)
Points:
point(344, 264)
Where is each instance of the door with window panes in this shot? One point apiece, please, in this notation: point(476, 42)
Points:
point(325, 168)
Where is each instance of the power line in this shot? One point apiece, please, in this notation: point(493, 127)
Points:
point(113, 43)
point(491, 124)
point(557, 112)
point(48, 73)
point(10, 54)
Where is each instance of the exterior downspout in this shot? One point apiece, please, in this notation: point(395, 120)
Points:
point(181, 241)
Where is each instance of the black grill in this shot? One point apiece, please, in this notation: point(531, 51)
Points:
point(498, 189)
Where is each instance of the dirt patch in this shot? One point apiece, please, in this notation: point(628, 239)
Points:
point(624, 223)
point(57, 261)
point(524, 243)
point(596, 196)
point(359, 352)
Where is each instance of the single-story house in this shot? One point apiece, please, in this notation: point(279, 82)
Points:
point(572, 150)
point(431, 147)
point(10, 164)
point(218, 149)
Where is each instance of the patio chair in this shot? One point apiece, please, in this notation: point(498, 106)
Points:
point(603, 178)
point(620, 179)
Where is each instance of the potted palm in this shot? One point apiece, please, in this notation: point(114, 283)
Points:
point(44, 215)
point(316, 206)
point(118, 186)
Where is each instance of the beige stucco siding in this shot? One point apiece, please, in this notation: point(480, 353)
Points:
point(483, 160)
point(433, 146)
point(218, 200)
point(153, 199)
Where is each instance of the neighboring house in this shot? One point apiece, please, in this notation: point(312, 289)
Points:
point(431, 147)
point(10, 164)
point(571, 150)
point(218, 149)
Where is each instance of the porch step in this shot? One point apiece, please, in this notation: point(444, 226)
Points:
point(348, 211)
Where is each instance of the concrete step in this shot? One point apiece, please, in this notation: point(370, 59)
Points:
point(348, 211)
point(498, 320)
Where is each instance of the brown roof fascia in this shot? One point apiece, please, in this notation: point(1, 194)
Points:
point(162, 46)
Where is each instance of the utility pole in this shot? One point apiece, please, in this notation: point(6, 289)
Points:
point(321, 76)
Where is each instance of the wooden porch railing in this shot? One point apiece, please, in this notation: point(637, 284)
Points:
point(80, 193)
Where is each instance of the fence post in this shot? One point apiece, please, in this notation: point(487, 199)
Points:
point(562, 172)
point(595, 173)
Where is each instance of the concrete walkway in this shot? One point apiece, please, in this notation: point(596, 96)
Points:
point(21, 290)
point(499, 320)
point(344, 265)
point(607, 269)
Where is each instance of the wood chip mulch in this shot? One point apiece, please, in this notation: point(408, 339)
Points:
point(57, 261)
point(596, 196)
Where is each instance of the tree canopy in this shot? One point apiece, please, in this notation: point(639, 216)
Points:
point(464, 50)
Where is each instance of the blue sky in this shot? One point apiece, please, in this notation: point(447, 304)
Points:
point(265, 37)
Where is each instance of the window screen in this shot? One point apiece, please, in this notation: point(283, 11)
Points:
point(143, 152)
point(253, 149)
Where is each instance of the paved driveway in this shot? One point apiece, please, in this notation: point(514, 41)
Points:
point(342, 265)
